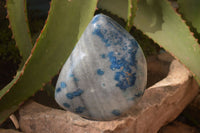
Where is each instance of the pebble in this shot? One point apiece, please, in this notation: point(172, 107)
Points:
point(106, 73)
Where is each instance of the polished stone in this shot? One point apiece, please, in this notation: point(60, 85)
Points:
point(105, 74)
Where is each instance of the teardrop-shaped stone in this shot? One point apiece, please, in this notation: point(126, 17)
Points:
point(105, 74)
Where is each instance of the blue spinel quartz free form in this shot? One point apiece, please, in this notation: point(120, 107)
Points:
point(105, 74)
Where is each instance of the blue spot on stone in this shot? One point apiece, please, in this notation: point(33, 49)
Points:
point(70, 95)
point(124, 48)
point(79, 109)
point(100, 72)
point(109, 38)
point(123, 85)
point(117, 76)
point(58, 90)
point(74, 94)
point(133, 61)
point(116, 112)
point(107, 44)
point(63, 84)
point(133, 44)
point(95, 19)
point(103, 84)
point(138, 94)
point(99, 33)
point(75, 79)
point(77, 93)
point(111, 57)
point(66, 105)
point(125, 77)
point(117, 39)
point(103, 56)
point(115, 64)
point(126, 82)
point(71, 75)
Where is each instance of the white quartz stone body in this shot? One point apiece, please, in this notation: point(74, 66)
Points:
point(105, 74)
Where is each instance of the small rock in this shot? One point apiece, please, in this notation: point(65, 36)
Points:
point(105, 74)
point(160, 104)
point(178, 127)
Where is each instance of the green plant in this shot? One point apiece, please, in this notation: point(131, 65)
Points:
point(66, 22)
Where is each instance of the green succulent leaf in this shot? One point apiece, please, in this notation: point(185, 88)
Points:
point(159, 21)
point(190, 10)
point(19, 24)
point(117, 7)
point(66, 22)
point(127, 10)
point(17, 16)
point(132, 8)
point(149, 16)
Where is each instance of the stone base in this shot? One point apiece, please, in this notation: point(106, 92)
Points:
point(161, 104)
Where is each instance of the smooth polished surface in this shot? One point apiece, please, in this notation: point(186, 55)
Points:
point(106, 73)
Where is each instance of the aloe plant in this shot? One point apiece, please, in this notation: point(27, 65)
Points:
point(67, 19)
point(65, 23)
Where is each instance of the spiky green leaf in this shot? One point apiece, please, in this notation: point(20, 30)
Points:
point(125, 9)
point(66, 22)
point(132, 8)
point(191, 11)
point(17, 16)
point(117, 7)
point(19, 25)
point(159, 21)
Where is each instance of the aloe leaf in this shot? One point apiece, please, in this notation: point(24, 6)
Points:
point(159, 21)
point(125, 9)
point(8, 86)
point(132, 8)
point(66, 22)
point(190, 10)
point(19, 24)
point(17, 16)
point(117, 7)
